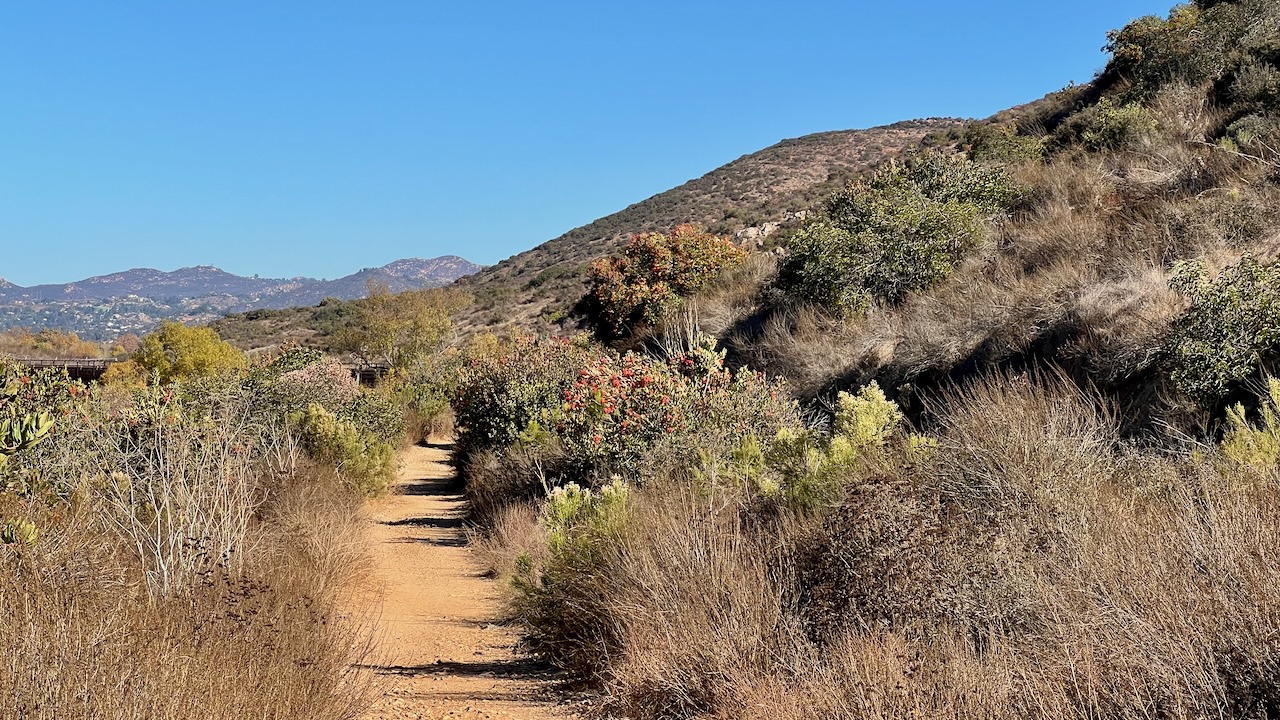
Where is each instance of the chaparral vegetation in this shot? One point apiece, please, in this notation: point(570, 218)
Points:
point(177, 537)
point(991, 431)
point(993, 435)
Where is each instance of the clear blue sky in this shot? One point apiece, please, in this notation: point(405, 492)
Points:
point(316, 138)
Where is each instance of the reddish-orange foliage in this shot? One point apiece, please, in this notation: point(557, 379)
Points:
point(654, 273)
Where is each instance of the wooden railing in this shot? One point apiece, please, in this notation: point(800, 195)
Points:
point(85, 369)
point(90, 369)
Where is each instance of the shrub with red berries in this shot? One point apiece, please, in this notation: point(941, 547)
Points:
point(653, 276)
point(609, 412)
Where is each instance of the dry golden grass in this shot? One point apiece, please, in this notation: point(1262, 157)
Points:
point(83, 637)
point(1078, 275)
point(1037, 567)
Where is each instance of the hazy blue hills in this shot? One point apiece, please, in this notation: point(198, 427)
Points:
point(105, 306)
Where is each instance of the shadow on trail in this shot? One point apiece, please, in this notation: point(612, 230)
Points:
point(432, 488)
point(522, 669)
point(460, 541)
point(427, 522)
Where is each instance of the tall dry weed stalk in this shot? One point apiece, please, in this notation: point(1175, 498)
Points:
point(183, 500)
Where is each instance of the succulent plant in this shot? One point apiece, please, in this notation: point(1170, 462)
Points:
point(19, 532)
point(19, 432)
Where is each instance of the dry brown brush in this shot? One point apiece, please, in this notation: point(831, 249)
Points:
point(170, 553)
point(1023, 561)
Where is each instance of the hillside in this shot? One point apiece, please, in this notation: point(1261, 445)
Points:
point(1034, 469)
point(134, 301)
point(748, 199)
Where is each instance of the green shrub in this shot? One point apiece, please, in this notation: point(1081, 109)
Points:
point(1197, 43)
point(807, 470)
point(359, 456)
point(375, 413)
point(427, 392)
point(900, 231)
point(176, 352)
point(18, 432)
point(22, 432)
point(402, 330)
point(297, 381)
point(579, 525)
point(1151, 52)
point(1232, 326)
point(501, 392)
point(37, 410)
point(301, 377)
point(653, 275)
point(620, 413)
point(1253, 133)
point(577, 519)
point(295, 357)
point(1256, 447)
point(1110, 126)
point(1001, 144)
point(1256, 85)
point(943, 178)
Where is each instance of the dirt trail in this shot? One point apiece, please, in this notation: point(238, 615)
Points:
point(439, 652)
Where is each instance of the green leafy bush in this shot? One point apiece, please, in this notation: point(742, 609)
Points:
point(1151, 52)
point(577, 519)
point(501, 392)
point(1253, 133)
point(35, 406)
point(1256, 85)
point(1001, 144)
point(1232, 325)
point(805, 469)
point(620, 412)
point(18, 431)
point(944, 178)
point(294, 383)
point(427, 391)
point(1110, 126)
point(900, 231)
point(653, 275)
point(403, 330)
point(579, 525)
point(176, 352)
point(608, 413)
point(359, 456)
point(301, 377)
point(1198, 42)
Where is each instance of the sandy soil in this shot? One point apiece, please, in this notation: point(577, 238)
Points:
point(440, 653)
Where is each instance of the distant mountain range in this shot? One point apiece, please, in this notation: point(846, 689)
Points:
point(106, 306)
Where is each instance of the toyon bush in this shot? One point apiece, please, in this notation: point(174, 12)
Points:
point(620, 411)
point(653, 276)
point(1230, 329)
point(900, 231)
point(608, 412)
